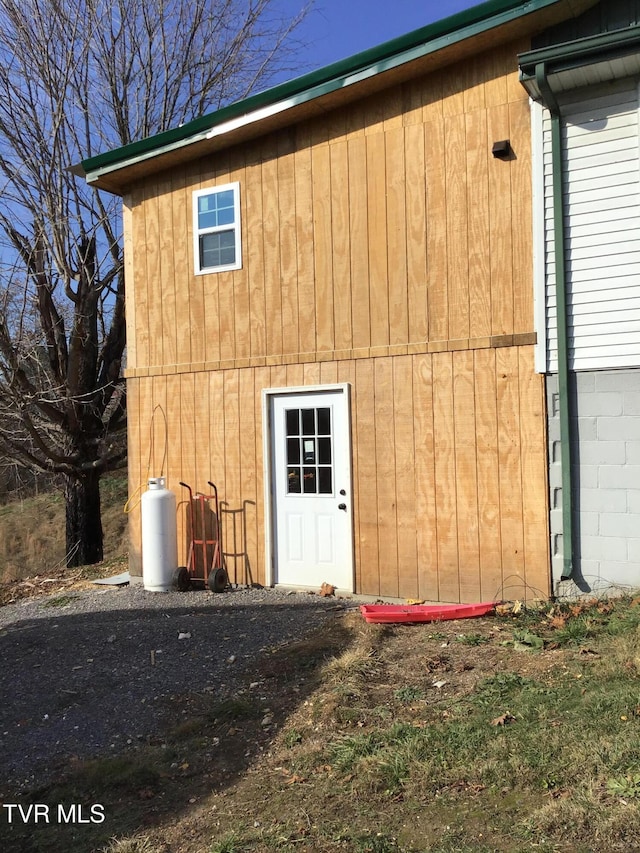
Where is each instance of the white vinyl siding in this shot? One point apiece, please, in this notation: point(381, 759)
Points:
point(601, 187)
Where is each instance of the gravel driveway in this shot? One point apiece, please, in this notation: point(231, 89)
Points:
point(92, 670)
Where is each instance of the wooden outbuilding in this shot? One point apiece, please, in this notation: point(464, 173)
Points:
point(330, 314)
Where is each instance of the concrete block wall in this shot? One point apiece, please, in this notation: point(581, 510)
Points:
point(606, 481)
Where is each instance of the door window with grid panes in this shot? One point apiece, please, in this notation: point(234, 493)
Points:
point(309, 451)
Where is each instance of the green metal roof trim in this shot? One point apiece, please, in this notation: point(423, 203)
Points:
point(574, 54)
point(540, 67)
point(370, 62)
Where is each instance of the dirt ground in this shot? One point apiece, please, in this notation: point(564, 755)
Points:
point(244, 756)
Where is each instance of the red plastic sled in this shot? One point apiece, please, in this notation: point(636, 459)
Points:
point(423, 612)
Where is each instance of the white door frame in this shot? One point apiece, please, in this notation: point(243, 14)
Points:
point(267, 445)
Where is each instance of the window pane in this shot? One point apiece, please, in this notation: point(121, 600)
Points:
point(216, 209)
point(324, 421)
point(324, 451)
point(309, 451)
point(293, 480)
point(217, 250)
point(324, 481)
point(308, 422)
point(224, 207)
point(309, 481)
point(293, 421)
point(293, 451)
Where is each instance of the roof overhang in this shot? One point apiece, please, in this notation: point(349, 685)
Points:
point(549, 72)
point(451, 40)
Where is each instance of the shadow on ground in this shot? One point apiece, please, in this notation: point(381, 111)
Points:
point(116, 720)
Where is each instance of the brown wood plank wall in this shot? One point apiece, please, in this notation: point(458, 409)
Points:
point(442, 446)
point(379, 227)
point(384, 247)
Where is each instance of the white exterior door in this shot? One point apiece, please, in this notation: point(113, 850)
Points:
point(311, 488)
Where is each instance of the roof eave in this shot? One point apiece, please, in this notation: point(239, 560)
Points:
point(559, 62)
point(109, 170)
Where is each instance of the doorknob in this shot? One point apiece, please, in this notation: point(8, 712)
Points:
point(342, 506)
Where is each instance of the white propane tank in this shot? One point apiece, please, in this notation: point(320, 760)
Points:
point(159, 536)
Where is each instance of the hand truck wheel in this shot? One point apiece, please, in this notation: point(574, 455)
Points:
point(217, 580)
point(181, 579)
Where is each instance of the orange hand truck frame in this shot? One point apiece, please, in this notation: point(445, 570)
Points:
point(213, 574)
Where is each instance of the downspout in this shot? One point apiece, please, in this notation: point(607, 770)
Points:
point(564, 399)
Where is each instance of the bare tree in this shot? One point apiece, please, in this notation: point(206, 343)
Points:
point(78, 77)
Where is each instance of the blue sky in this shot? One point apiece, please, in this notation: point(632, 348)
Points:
point(336, 29)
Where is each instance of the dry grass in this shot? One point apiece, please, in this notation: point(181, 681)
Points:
point(32, 533)
point(139, 844)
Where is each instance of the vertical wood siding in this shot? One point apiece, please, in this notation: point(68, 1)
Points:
point(384, 247)
point(379, 227)
point(443, 445)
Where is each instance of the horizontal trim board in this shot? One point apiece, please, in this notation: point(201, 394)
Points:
point(493, 342)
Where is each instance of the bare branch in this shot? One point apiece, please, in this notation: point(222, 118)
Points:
point(77, 78)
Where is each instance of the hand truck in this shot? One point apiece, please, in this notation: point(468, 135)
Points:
point(205, 537)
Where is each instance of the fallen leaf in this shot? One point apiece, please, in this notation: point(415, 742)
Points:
point(503, 719)
point(327, 590)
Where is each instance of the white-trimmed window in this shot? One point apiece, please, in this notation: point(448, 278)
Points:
point(216, 229)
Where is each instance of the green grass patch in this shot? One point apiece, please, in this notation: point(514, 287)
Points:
point(58, 601)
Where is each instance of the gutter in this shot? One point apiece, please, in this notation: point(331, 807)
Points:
point(557, 58)
point(564, 397)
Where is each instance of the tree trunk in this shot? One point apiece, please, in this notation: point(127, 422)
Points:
point(84, 525)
